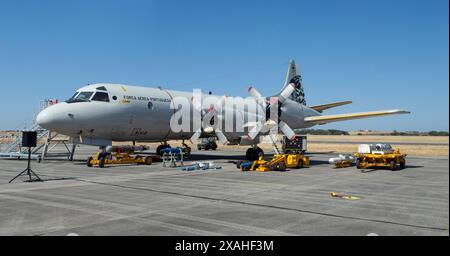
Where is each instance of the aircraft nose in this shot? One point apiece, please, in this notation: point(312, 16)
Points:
point(51, 118)
point(44, 119)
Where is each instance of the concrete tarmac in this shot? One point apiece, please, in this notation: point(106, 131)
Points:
point(155, 200)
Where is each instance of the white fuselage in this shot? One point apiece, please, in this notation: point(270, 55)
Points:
point(131, 113)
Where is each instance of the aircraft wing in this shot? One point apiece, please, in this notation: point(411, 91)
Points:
point(314, 120)
point(320, 108)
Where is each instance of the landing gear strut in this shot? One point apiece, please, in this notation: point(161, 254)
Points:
point(186, 148)
point(161, 147)
point(254, 153)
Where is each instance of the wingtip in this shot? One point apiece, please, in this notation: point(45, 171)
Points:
point(401, 111)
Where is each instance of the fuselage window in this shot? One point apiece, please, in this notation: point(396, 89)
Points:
point(101, 96)
point(150, 105)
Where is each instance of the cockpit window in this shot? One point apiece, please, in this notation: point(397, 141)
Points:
point(80, 97)
point(84, 96)
point(75, 94)
point(101, 96)
point(101, 88)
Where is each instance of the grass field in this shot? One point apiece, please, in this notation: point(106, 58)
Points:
point(425, 145)
point(414, 150)
point(386, 139)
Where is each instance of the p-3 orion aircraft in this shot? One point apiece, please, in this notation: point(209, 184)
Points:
point(98, 114)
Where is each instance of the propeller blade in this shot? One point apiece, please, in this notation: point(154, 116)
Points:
point(255, 131)
point(222, 138)
point(195, 136)
point(287, 130)
point(197, 104)
point(286, 93)
point(219, 105)
point(260, 100)
point(80, 137)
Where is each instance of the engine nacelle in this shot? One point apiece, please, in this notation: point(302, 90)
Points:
point(292, 113)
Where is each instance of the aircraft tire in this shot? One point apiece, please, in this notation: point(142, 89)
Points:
point(253, 154)
point(160, 147)
point(258, 153)
point(249, 154)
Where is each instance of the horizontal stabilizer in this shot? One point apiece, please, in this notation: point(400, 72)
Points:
point(314, 120)
point(320, 108)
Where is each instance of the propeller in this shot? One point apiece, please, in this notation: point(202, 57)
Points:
point(198, 106)
point(213, 112)
point(266, 125)
point(80, 136)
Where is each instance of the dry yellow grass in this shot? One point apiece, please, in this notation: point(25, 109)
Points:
point(415, 150)
point(326, 143)
point(381, 139)
point(417, 145)
point(330, 143)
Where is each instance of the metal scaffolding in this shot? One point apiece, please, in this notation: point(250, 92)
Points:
point(47, 141)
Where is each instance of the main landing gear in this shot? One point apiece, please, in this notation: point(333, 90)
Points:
point(254, 153)
point(161, 147)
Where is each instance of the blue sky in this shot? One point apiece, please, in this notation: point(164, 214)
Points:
point(380, 54)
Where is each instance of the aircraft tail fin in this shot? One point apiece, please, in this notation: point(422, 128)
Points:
point(293, 76)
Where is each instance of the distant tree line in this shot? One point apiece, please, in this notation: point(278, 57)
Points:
point(322, 132)
point(394, 133)
point(416, 133)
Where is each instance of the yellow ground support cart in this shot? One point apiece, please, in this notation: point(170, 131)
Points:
point(118, 155)
point(279, 162)
point(343, 164)
point(391, 159)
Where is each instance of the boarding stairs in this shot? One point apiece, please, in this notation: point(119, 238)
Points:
point(15, 149)
point(52, 139)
